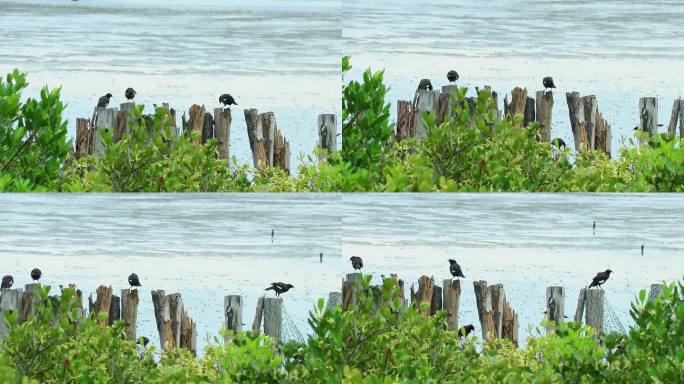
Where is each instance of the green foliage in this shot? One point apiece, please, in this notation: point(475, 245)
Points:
point(33, 144)
point(375, 340)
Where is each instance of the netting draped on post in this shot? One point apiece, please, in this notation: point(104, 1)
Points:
point(290, 330)
point(611, 322)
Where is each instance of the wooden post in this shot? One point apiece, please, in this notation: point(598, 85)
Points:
point(256, 325)
point(580, 306)
point(163, 323)
point(484, 309)
point(281, 152)
point(530, 113)
point(327, 132)
point(436, 303)
point(232, 311)
point(544, 113)
point(10, 301)
point(29, 301)
point(404, 121)
point(648, 115)
point(123, 120)
point(655, 292)
point(102, 303)
point(222, 121)
point(171, 116)
point(555, 306)
point(594, 309)
point(446, 103)
point(173, 312)
point(208, 127)
point(78, 295)
point(129, 312)
point(578, 122)
point(114, 310)
point(424, 101)
point(498, 298)
point(681, 119)
point(350, 289)
point(677, 114)
point(188, 333)
point(517, 104)
point(256, 137)
point(509, 328)
point(268, 127)
point(83, 138)
point(273, 318)
point(590, 117)
point(603, 136)
point(452, 295)
point(334, 299)
point(423, 295)
point(195, 123)
point(104, 119)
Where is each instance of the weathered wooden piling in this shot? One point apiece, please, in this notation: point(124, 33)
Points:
point(232, 312)
point(256, 324)
point(208, 127)
point(555, 306)
point(424, 101)
point(268, 126)
point(104, 120)
point(255, 134)
point(577, 122)
point(114, 310)
point(281, 152)
point(327, 132)
point(484, 309)
point(655, 292)
point(677, 114)
point(351, 286)
point(498, 298)
point(579, 311)
point(510, 326)
point(334, 298)
point(530, 113)
point(517, 104)
point(188, 332)
point(129, 312)
point(173, 313)
point(451, 290)
point(10, 301)
point(222, 122)
point(101, 304)
point(29, 300)
point(404, 120)
point(194, 123)
point(273, 318)
point(163, 323)
point(544, 113)
point(124, 120)
point(84, 138)
point(593, 309)
point(648, 115)
point(426, 286)
point(436, 304)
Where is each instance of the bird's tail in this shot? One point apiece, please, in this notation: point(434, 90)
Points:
point(268, 289)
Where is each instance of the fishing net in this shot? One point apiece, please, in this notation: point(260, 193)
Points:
point(290, 330)
point(611, 321)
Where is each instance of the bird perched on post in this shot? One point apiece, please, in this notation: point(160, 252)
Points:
point(548, 83)
point(7, 281)
point(103, 102)
point(558, 142)
point(133, 280)
point(452, 76)
point(130, 94)
point(227, 100)
point(279, 288)
point(455, 269)
point(36, 274)
point(600, 278)
point(357, 262)
point(425, 84)
point(465, 330)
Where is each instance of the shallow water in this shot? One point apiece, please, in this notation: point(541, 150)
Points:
point(616, 50)
point(204, 246)
point(271, 55)
point(527, 242)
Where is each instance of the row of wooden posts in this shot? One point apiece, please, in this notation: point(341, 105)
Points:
point(175, 326)
point(267, 143)
point(589, 128)
point(497, 318)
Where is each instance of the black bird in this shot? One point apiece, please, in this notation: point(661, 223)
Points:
point(133, 280)
point(548, 83)
point(103, 102)
point(143, 340)
point(36, 274)
point(642, 250)
point(452, 76)
point(455, 269)
point(7, 281)
point(227, 100)
point(465, 330)
point(357, 262)
point(130, 94)
point(425, 84)
point(558, 142)
point(600, 278)
point(279, 288)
